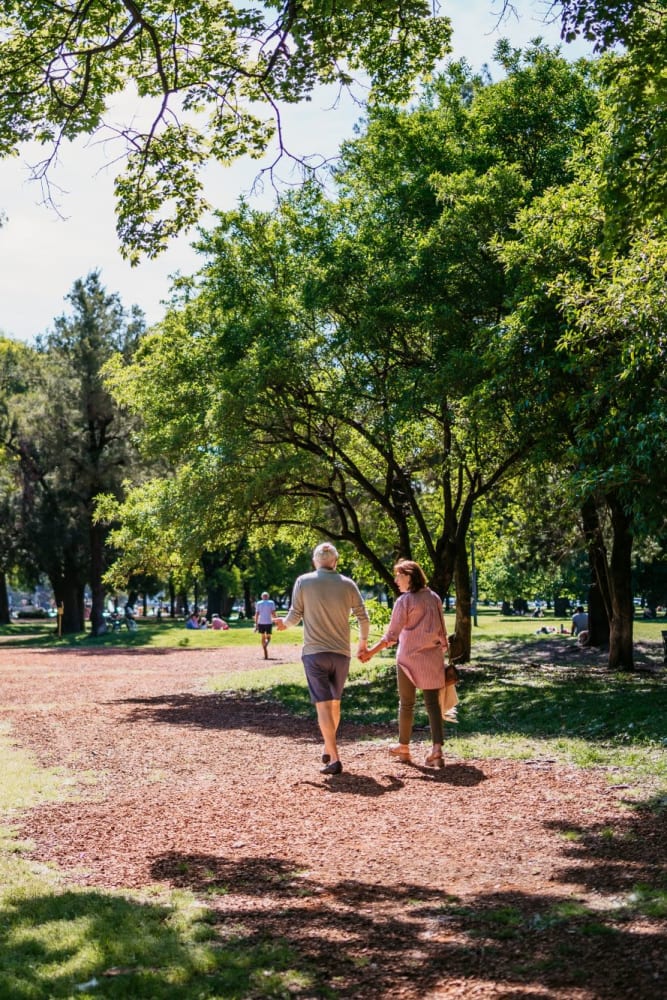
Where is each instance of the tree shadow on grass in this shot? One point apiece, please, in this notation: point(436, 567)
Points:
point(88, 943)
point(561, 652)
point(378, 941)
point(598, 708)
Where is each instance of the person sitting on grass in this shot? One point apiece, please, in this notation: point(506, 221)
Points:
point(580, 625)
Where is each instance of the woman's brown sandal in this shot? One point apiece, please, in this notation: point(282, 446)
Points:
point(435, 760)
point(401, 752)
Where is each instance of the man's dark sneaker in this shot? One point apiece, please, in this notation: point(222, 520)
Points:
point(335, 767)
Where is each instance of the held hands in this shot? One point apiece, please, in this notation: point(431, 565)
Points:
point(366, 654)
point(280, 624)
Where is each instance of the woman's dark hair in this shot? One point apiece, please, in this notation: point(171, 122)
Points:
point(412, 569)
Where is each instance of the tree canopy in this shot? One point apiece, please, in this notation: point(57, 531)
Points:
point(338, 363)
point(65, 440)
point(211, 77)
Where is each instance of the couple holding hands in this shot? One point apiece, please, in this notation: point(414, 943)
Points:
point(323, 600)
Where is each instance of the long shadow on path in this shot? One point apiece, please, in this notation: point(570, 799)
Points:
point(403, 940)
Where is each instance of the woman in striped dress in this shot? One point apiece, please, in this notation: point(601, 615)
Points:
point(418, 626)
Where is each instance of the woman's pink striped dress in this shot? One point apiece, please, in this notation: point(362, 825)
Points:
point(418, 626)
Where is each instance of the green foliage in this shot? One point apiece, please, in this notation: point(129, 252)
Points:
point(617, 336)
point(529, 539)
point(604, 22)
point(156, 535)
point(211, 78)
point(65, 440)
point(590, 295)
point(379, 614)
point(337, 361)
point(636, 83)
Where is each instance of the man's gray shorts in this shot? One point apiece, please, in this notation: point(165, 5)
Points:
point(326, 674)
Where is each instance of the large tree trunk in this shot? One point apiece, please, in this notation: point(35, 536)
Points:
point(5, 618)
point(247, 601)
point(621, 654)
point(444, 566)
point(214, 599)
point(68, 592)
point(451, 566)
point(211, 564)
point(182, 604)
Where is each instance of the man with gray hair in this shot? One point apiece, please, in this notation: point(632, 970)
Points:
point(265, 614)
point(323, 600)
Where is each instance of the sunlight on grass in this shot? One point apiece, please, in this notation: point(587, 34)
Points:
point(492, 629)
point(56, 941)
point(649, 900)
point(23, 784)
point(263, 680)
point(166, 634)
point(491, 625)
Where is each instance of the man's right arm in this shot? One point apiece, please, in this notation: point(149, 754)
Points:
point(295, 613)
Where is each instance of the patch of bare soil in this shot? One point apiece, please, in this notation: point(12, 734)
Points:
point(392, 880)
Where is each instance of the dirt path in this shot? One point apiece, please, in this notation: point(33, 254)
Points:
point(396, 880)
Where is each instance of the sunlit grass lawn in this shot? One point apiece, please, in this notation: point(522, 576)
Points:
point(149, 633)
point(491, 626)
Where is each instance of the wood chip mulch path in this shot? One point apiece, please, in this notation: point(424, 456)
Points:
point(393, 880)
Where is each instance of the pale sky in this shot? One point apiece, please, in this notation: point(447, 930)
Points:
point(42, 254)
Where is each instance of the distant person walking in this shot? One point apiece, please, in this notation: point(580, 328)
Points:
point(265, 613)
point(418, 626)
point(323, 600)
